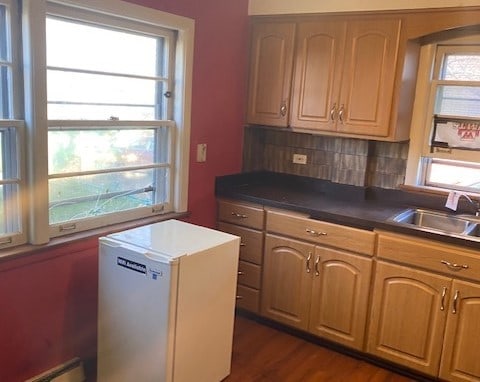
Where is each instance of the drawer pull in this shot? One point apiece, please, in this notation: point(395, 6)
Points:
point(453, 266)
point(240, 273)
point(317, 260)
point(239, 297)
point(444, 293)
point(308, 261)
point(243, 244)
point(240, 216)
point(455, 301)
point(315, 233)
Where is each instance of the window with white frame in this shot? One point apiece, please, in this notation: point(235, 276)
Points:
point(105, 98)
point(110, 127)
point(11, 129)
point(448, 155)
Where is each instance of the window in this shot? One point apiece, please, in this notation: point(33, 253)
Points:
point(109, 116)
point(447, 155)
point(11, 130)
point(98, 130)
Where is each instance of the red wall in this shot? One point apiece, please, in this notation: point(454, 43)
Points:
point(48, 301)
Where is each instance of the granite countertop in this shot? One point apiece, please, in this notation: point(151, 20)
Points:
point(360, 207)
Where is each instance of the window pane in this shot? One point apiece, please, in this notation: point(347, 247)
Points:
point(4, 53)
point(462, 101)
point(92, 195)
point(72, 151)
point(89, 94)
point(80, 46)
point(9, 209)
point(455, 174)
point(464, 67)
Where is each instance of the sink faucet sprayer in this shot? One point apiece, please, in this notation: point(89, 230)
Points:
point(454, 196)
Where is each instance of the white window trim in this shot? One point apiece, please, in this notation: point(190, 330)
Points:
point(34, 13)
point(423, 115)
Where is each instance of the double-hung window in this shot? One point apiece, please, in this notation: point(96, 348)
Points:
point(11, 129)
point(110, 126)
point(449, 154)
point(107, 113)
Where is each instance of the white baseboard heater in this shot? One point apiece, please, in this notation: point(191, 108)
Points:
point(71, 371)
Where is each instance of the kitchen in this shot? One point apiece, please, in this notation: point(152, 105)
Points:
point(52, 296)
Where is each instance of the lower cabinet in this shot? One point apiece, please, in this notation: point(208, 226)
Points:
point(460, 358)
point(316, 289)
point(425, 321)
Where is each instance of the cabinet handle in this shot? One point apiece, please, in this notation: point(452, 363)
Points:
point(444, 293)
point(283, 109)
point(308, 261)
point(240, 273)
point(340, 113)
point(240, 216)
point(242, 244)
point(317, 260)
point(239, 297)
point(453, 266)
point(455, 301)
point(333, 112)
point(315, 233)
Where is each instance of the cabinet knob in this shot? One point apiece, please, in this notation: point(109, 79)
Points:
point(444, 293)
point(240, 216)
point(333, 112)
point(315, 233)
point(455, 302)
point(341, 112)
point(454, 266)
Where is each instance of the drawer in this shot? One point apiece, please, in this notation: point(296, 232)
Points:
point(301, 227)
point(248, 215)
point(248, 298)
point(429, 254)
point(251, 242)
point(249, 274)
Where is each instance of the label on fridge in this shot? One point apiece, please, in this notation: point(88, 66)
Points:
point(132, 265)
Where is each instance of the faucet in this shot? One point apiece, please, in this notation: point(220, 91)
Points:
point(454, 196)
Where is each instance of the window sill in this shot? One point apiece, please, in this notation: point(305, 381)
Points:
point(27, 250)
point(434, 191)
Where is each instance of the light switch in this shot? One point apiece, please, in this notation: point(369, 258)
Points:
point(202, 152)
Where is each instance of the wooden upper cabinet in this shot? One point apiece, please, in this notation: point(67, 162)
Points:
point(368, 77)
point(344, 76)
point(317, 77)
point(350, 76)
point(271, 61)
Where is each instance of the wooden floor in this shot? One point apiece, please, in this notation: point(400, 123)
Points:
point(261, 353)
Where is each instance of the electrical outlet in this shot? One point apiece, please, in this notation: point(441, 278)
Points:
point(299, 159)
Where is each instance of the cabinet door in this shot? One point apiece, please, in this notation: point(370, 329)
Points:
point(368, 76)
point(341, 284)
point(287, 281)
point(317, 77)
point(460, 359)
point(408, 315)
point(270, 74)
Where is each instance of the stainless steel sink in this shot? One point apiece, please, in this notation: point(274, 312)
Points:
point(439, 222)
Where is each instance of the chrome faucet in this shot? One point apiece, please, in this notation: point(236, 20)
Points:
point(474, 203)
point(454, 196)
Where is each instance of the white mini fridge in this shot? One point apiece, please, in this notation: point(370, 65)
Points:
point(166, 304)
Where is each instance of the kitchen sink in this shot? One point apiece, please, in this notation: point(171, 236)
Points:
point(439, 222)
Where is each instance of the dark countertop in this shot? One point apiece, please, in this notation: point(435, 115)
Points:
point(360, 207)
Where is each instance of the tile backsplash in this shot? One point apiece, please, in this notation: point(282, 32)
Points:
point(351, 161)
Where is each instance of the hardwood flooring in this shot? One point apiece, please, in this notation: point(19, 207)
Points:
point(264, 354)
